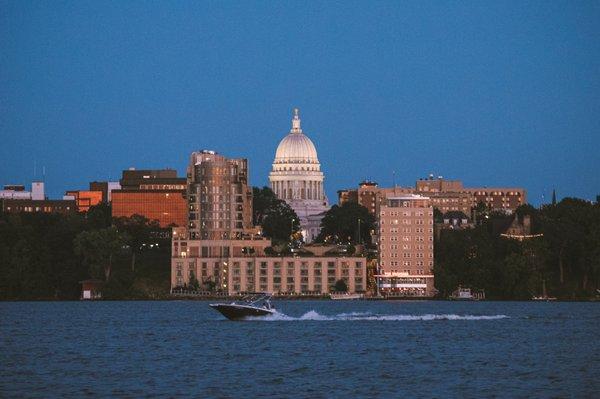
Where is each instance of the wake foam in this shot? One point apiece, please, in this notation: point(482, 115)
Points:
point(359, 316)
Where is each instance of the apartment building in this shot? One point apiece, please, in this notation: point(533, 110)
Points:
point(405, 241)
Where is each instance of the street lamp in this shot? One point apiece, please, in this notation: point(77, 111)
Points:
point(292, 228)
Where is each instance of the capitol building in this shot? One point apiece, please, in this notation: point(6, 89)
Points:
point(297, 179)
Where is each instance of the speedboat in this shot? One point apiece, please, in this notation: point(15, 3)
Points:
point(251, 305)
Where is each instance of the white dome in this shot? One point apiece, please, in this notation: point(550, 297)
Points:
point(296, 147)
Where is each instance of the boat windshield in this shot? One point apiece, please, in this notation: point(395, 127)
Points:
point(257, 298)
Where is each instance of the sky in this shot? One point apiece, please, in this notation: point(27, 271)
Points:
point(492, 93)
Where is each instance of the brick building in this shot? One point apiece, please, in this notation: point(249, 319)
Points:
point(405, 242)
point(155, 194)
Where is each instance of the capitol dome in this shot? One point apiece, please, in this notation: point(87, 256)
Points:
point(296, 147)
point(297, 179)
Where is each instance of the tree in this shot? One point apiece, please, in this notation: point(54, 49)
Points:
point(280, 222)
point(262, 200)
point(99, 216)
point(340, 286)
point(137, 231)
point(350, 222)
point(438, 216)
point(194, 284)
point(97, 249)
point(480, 212)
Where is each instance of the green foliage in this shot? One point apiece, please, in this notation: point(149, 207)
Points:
point(45, 256)
point(194, 284)
point(36, 256)
point(567, 256)
point(340, 286)
point(99, 216)
point(438, 216)
point(137, 232)
point(98, 249)
point(277, 219)
point(346, 223)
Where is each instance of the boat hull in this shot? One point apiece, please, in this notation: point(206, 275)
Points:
point(240, 312)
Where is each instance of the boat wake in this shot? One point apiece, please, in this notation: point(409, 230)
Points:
point(366, 316)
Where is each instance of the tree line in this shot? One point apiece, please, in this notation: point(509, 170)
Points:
point(45, 256)
point(564, 253)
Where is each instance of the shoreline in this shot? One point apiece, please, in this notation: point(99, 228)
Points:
point(290, 298)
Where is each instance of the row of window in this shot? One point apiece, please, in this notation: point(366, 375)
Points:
point(394, 263)
point(405, 247)
point(407, 213)
point(407, 255)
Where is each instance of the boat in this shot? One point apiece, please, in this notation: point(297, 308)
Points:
point(465, 294)
point(252, 305)
point(544, 297)
point(340, 296)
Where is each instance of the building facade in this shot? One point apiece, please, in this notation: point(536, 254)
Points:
point(296, 178)
point(219, 197)
point(155, 194)
point(237, 266)
point(405, 243)
point(84, 200)
point(106, 188)
point(37, 206)
point(14, 199)
point(445, 195)
point(451, 195)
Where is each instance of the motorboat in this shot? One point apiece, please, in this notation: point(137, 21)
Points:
point(466, 294)
point(251, 305)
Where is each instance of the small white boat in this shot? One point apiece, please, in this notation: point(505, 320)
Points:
point(544, 297)
point(340, 296)
point(465, 294)
point(252, 305)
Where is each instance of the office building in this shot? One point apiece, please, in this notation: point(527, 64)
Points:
point(155, 194)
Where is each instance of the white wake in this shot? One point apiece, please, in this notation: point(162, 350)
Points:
point(359, 316)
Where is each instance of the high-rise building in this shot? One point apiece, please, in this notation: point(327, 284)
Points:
point(219, 197)
point(297, 179)
point(220, 247)
point(405, 242)
point(155, 194)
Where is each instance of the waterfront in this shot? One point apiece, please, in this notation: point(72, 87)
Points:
point(316, 349)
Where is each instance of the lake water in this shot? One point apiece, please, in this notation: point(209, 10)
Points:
point(315, 349)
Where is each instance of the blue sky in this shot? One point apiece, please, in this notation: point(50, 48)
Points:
point(493, 93)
